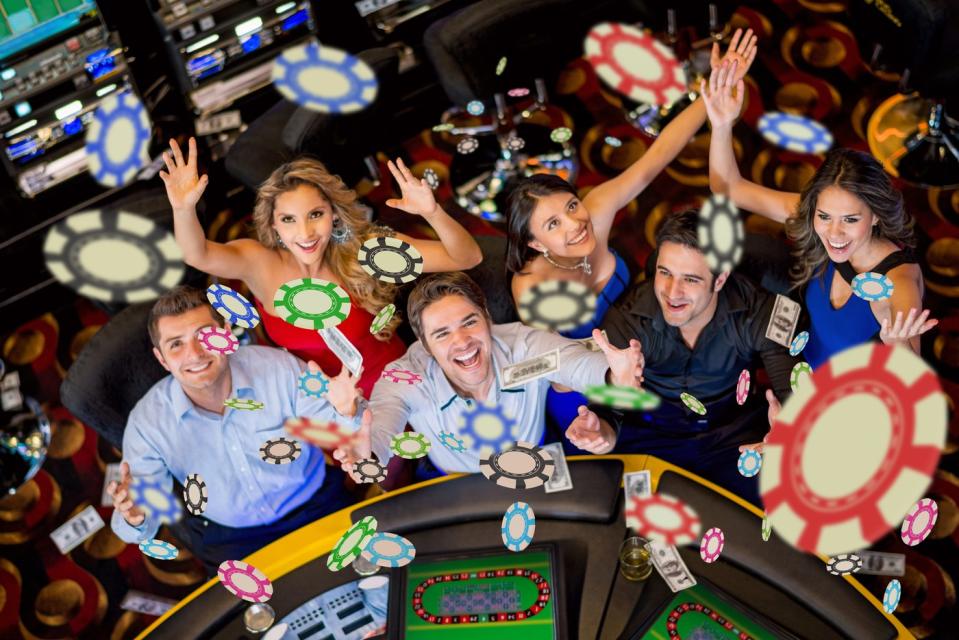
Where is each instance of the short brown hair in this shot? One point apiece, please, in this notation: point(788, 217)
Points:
point(680, 228)
point(437, 286)
point(174, 302)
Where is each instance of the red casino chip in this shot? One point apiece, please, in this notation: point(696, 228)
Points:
point(401, 375)
point(853, 449)
point(663, 517)
point(635, 64)
point(325, 435)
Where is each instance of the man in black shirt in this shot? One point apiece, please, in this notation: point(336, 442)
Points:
point(698, 331)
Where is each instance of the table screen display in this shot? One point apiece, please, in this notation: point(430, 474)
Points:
point(493, 597)
point(699, 613)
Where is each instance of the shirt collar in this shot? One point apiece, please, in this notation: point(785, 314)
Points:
point(242, 388)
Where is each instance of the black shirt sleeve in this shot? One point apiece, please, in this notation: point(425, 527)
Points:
point(775, 357)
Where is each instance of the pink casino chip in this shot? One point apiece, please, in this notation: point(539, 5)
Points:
point(401, 375)
point(712, 545)
point(245, 581)
point(218, 340)
point(919, 522)
point(742, 387)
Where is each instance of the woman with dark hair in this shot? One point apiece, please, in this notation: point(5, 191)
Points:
point(848, 219)
point(553, 235)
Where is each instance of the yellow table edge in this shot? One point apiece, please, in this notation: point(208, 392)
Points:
point(313, 540)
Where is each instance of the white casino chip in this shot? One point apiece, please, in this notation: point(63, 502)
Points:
point(118, 140)
point(467, 145)
point(324, 79)
point(521, 466)
point(721, 234)
point(795, 133)
point(557, 305)
point(195, 494)
point(389, 550)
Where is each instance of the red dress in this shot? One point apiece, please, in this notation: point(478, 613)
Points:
point(308, 345)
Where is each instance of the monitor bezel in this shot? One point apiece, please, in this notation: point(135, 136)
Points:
point(91, 17)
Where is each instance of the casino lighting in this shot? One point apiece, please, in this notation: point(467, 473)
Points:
point(102, 91)
point(199, 44)
point(23, 127)
point(69, 109)
point(283, 8)
point(251, 25)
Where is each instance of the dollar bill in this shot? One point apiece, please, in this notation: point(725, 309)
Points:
point(782, 320)
point(342, 348)
point(560, 480)
point(112, 474)
point(218, 122)
point(670, 566)
point(11, 400)
point(876, 563)
point(637, 484)
point(590, 343)
point(74, 531)
point(147, 603)
point(10, 381)
point(520, 373)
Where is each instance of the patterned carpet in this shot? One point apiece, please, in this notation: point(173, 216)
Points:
point(808, 64)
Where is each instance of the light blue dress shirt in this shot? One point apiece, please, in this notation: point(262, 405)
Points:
point(168, 437)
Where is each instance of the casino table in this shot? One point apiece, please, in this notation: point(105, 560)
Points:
point(570, 571)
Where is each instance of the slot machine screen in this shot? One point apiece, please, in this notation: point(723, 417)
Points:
point(24, 23)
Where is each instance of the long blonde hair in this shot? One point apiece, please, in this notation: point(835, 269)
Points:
point(370, 293)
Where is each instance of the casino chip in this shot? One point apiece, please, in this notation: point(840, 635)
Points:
point(467, 145)
point(352, 544)
point(390, 260)
point(501, 66)
point(519, 525)
point(824, 501)
point(313, 384)
point(485, 429)
point(795, 133)
point(445, 126)
point(452, 442)
point(475, 108)
point(844, 564)
point(401, 376)
point(663, 517)
point(113, 256)
point(118, 140)
point(195, 494)
point(800, 372)
point(522, 466)
point(622, 397)
point(692, 403)
point(323, 434)
point(324, 79)
point(890, 599)
point(432, 179)
point(518, 92)
point(557, 305)
point(156, 502)
point(410, 445)
point(613, 141)
point(919, 522)
point(280, 451)
point(369, 470)
point(560, 134)
point(382, 318)
point(243, 404)
point(218, 340)
point(767, 529)
point(245, 581)
point(872, 287)
point(635, 64)
point(798, 343)
point(515, 143)
point(750, 462)
point(721, 233)
point(712, 545)
point(311, 303)
point(237, 310)
point(742, 387)
point(159, 549)
point(389, 550)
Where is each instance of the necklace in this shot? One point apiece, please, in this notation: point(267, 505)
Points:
point(582, 264)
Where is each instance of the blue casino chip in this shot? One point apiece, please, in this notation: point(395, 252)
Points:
point(519, 525)
point(475, 108)
point(389, 550)
point(750, 462)
point(156, 502)
point(486, 430)
point(795, 133)
point(314, 385)
point(872, 286)
point(236, 309)
point(798, 343)
point(159, 549)
point(890, 599)
point(452, 442)
point(324, 79)
point(118, 140)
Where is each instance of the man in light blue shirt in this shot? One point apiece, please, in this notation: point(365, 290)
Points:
point(181, 427)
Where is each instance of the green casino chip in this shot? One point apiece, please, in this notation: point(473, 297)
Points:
point(692, 403)
point(410, 445)
point(352, 544)
point(244, 404)
point(561, 134)
point(622, 397)
point(382, 318)
point(767, 529)
point(311, 303)
point(800, 369)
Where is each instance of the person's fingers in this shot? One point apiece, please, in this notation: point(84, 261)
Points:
point(703, 92)
point(168, 161)
point(929, 324)
point(740, 94)
point(884, 327)
point(397, 175)
point(744, 42)
point(734, 41)
point(601, 341)
point(191, 155)
point(714, 55)
point(177, 153)
point(731, 76)
point(124, 472)
point(406, 172)
point(125, 505)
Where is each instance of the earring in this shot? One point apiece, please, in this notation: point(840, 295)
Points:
point(340, 232)
point(279, 240)
point(546, 253)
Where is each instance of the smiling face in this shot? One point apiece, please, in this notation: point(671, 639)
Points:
point(684, 286)
point(457, 334)
point(843, 223)
point(303, 218)
point(560, 224)
point(180, 352)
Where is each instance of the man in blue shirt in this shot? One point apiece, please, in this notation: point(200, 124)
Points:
point(181, 427)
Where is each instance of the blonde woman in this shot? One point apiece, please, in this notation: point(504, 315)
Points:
point(309, 224)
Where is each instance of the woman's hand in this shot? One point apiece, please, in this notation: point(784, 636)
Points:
point(741, 50)
point(901, 332)
point(183, 188)
point(341, 391)
point(417, 196)
point(722, 103)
